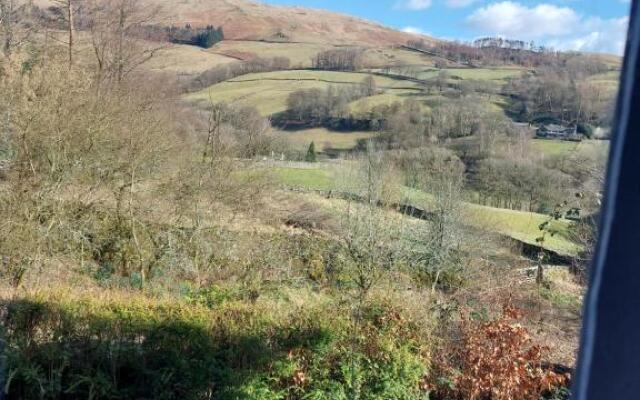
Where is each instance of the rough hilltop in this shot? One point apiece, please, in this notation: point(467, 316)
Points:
point(246, 20)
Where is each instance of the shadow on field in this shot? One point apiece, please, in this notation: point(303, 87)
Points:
point(96, 352)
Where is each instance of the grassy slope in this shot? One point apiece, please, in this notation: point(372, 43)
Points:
point(554, 147)
point(324, 138)
point(564, 148)
point(300, 54)
point(423, 71)
point(183, 59)
point(269, 91)
point(520, 225)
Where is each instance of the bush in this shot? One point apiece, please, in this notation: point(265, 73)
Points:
point(208, 37)
point(311, 153)
point(132, 348)
point(586, 129)
point(496, 360)
point(225, 72)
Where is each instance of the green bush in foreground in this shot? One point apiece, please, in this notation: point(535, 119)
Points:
point(63, 348)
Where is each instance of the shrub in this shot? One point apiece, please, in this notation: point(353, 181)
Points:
point(311, 153)
point(586, 129)
point(496, 360)
point(60, 346)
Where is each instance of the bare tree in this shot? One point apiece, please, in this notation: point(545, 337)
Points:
point(69, 8)
point(14, 28)
point(111, 24)
point(371, 236)
point(433, 246)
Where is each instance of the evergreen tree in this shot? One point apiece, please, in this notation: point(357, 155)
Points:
point(311, 153)
point(209, 36)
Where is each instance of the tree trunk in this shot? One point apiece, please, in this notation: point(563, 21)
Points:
point(70, 17)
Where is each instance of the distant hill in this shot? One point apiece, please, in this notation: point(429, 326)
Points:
point(247, 20)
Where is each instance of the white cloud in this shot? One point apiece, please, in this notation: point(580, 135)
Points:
point(558, 27)
point(597, 35)
point(459, 3)
point(414, 30)
point(424, 4)
point(515, 20)
point(414, 4)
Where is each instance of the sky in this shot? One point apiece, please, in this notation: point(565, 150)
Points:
point(583, 25)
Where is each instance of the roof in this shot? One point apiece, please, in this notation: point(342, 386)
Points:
point(554, 127)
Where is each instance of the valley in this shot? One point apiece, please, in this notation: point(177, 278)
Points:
point(226, 199)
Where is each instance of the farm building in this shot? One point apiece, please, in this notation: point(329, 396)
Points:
point(553, 131)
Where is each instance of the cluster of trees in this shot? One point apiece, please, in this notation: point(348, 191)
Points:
point(82, 15)
point(408, 124)
point(493, 55)
point(239, 131)
point(562, 94)
point(203, 37)
point(343, 59)
point(225, 72)
point(520, 184)
point(512, 179)
point(318, 106)
point(121, 141)
point(112, 28)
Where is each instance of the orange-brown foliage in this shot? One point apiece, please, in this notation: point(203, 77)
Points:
point(496, 361)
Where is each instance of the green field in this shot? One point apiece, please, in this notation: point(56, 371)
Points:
point(300, 54)
point(325, 139)
point(366, 104)
point(611, 77)
point(519, 225)
point(311, 178)
point(184, 59)
point(560, 148)
point(269, 91)
point(395, 56)
point(484, 74)
point(554, 147)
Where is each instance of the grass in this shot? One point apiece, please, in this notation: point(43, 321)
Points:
point(300, 54)
point(184, 59)
point(325, 139)
point(328, 77)
point(560, 148)
point(314, 178)
point(394, 56)
point(555, 147)
point(611, 76)
point(366, 104)
point(269, 97)
point(216, 344)
point(520, 225)
point(268, 91)
point(562, 291)
point(484, 74)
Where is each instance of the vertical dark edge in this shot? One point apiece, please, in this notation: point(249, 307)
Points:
point(589, 372)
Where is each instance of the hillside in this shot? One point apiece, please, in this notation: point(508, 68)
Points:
point(303, 209)
point(247, 20)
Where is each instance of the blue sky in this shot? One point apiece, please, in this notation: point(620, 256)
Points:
point(587, 25)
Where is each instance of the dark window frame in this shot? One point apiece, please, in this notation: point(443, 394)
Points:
point(609, 360)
